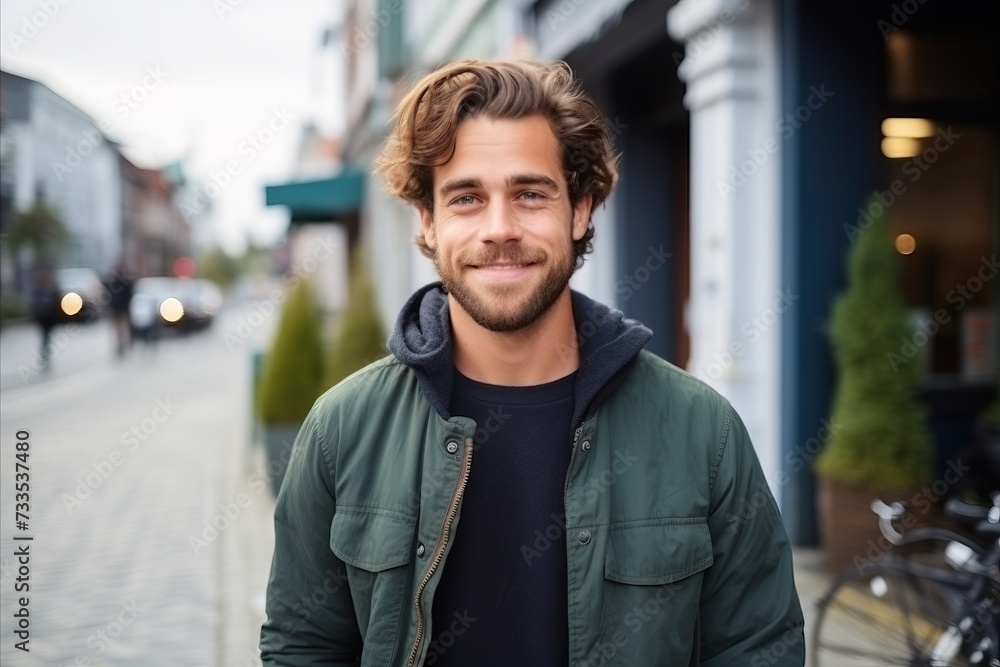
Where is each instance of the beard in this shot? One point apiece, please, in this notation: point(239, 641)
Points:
point(502, 308)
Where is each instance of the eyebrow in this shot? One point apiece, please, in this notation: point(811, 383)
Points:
point(449, 187)
point(533, 179)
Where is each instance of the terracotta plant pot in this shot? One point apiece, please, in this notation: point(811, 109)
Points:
point(849, 529)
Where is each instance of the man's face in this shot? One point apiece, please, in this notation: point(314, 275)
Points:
point(502, 229)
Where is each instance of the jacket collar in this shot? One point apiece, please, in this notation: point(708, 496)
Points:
point(421, 339)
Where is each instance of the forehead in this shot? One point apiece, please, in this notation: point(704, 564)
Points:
point(490, 149)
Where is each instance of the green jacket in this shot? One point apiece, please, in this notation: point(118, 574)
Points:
point(676, 552)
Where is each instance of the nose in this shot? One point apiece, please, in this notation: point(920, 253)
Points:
point(499, 224)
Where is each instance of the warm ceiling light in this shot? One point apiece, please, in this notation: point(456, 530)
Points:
point(905, 244)
point(900, 147)
point(915, 128)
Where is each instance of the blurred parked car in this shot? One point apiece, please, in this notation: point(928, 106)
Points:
point(183, 304)
point(82, 295)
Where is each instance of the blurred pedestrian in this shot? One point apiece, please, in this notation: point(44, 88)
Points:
point(45, 307)
point(520, 482)
point(120, 285)
point(144, 320)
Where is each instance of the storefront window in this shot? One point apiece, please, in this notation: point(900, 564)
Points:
point(942, 172)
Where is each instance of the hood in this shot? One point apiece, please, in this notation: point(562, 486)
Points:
point(421, 339)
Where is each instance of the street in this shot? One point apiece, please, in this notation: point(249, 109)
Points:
point(147, 512)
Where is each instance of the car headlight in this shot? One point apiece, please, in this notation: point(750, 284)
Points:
point(71, 303)
point(171, 310)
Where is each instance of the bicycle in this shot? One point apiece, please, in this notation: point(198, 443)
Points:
point(914, 605)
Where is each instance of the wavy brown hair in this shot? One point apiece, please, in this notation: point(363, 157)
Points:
point(427, 120)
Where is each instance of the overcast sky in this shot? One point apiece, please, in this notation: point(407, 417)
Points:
point(211, 72)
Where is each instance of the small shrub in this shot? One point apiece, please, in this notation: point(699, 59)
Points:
point(881, 440)
point(360, 337)
point(293, 367)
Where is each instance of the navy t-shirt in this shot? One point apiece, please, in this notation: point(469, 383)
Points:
point(502, 598)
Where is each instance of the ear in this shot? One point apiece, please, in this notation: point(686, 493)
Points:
point(427, 225)
point(581, 216)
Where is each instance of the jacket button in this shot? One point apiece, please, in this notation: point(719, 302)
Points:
point(586, 445)
point(452, 446)
point(583, 536)
point(420, 551)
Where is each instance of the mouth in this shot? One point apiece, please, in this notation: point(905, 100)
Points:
point(502, 271)
point(502, 266)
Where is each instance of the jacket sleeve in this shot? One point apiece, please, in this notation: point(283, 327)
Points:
point(750, 613)
point(310, 615)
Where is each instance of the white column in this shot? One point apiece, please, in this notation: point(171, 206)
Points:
point(733, 93)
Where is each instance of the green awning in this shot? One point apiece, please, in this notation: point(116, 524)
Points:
point(320, 200)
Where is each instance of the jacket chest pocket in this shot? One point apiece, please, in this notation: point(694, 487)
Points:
point(653, 572)
point(376, 546)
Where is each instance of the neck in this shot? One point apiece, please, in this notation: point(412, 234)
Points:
point(543, 352)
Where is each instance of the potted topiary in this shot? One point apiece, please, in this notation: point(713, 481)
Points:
point(880, 446)
point(360, 337)
point(291, 378)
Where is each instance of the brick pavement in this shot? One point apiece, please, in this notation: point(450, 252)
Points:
point(115, 579)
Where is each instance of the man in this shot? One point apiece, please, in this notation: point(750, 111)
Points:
point(520, 483)
point(45, 308)
point(120, 286)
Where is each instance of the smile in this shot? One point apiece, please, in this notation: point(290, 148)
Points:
point(502, 271)
point(502, 267)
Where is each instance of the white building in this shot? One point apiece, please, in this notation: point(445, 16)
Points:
point(58, 156)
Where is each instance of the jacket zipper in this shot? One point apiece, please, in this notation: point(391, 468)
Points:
point(572, 458)
point(456, 500)
point(569, 473)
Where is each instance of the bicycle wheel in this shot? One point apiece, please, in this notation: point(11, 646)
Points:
point(886, 616)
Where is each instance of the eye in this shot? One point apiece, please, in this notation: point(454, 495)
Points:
point(464, 200)
point(532, 196)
